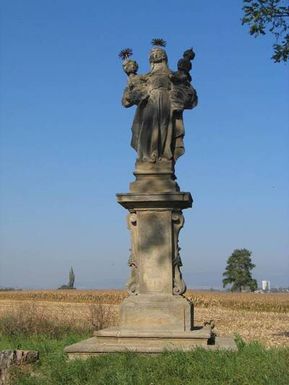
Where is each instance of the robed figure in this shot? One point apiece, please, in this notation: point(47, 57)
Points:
point(160, 97)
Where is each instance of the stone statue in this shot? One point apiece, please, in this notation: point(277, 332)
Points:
point(161, 96)
point(155, 316)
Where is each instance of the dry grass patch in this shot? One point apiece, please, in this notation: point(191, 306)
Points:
point(277, 302)
point(253, 316)
point(271, 302)
point(269, 328)
point(99, 296)
point(53, 319)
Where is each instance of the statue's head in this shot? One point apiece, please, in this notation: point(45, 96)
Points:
point(184, 65)
point(158, 55)
point(130, 67)
point(189, 54)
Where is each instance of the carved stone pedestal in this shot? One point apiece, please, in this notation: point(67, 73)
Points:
point(156, 312)
point(156, 316)
point(156, 283)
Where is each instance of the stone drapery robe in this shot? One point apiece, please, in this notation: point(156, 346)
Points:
point(158, 130)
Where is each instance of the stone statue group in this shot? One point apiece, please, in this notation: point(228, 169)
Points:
point(161, 96)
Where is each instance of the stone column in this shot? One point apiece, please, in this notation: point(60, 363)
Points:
point(156, 285)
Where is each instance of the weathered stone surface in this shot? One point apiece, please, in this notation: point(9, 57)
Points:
point(14, 357)
point(155, 221)
point(161, 96)
point(151, 313)
point(134, 201)
point(155, 177)
point(119, 340)
point(114, 340)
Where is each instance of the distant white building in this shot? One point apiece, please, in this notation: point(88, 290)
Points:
point(266, 285)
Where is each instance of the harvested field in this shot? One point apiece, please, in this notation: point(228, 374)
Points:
point(262, 317)
point(269, 328)
point(277, 302)
point(103, 296)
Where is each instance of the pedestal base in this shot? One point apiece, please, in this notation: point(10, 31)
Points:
point(156, 313)
point(115, 340)
point(155, 317)
point(154, 177)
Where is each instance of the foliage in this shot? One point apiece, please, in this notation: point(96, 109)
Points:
point(269, 15)
point(71, 279)
point(238, 271)
point(252, 364)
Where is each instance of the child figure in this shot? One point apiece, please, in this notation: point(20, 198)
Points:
point(130, 67)
point(182, 91)
point(136, 84)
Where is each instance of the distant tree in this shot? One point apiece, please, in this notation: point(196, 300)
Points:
point(238, 271)
point(71, 279)
point(269, 16)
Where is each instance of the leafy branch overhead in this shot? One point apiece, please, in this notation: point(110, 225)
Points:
point(272, 16)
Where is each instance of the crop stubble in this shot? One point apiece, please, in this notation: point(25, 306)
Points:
point(262, 317)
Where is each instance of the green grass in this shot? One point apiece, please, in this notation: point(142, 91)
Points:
point(251, 365)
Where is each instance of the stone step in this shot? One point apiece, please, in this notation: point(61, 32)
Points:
point(93, 347)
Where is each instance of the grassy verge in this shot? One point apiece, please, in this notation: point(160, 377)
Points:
point(27, 327)
point(251, 365)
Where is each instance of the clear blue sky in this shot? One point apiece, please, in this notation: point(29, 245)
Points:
point(65, 140)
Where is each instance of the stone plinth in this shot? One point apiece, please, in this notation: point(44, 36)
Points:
point(156, 283)
point(115, 340)
point(156, 316)
point(154, 177)
point(154, 313)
